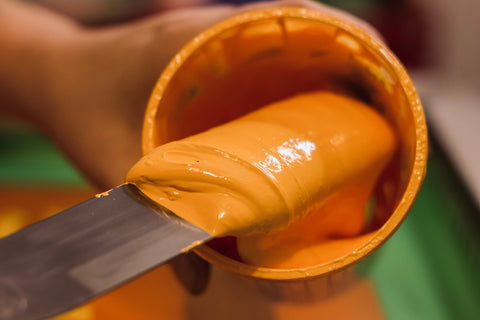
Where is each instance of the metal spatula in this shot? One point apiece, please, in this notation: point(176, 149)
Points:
point(84, 251)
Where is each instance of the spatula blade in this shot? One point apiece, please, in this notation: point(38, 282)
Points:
point(84, 251)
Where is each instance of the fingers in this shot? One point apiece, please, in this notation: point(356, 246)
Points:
point(192, 272)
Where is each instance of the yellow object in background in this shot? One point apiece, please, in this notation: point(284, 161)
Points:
point(12, 219)
point(86, 312)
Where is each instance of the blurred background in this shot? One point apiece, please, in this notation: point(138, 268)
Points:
point(430, 269)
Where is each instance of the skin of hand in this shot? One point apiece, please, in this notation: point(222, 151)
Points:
point(88, 87)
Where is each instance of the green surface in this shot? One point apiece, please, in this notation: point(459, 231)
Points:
point(30, 159)
point(430, 268)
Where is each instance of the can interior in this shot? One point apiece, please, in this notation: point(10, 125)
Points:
point(248, 65)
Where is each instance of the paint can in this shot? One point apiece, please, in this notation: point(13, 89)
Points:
point(259, 57)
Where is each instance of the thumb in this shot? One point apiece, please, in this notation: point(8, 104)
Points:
point(192, 272)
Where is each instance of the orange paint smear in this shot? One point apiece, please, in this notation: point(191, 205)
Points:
point(284, 179)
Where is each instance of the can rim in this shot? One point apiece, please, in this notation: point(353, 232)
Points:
point(416, 176)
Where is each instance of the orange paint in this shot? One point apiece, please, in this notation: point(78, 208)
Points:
point(268, 169)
